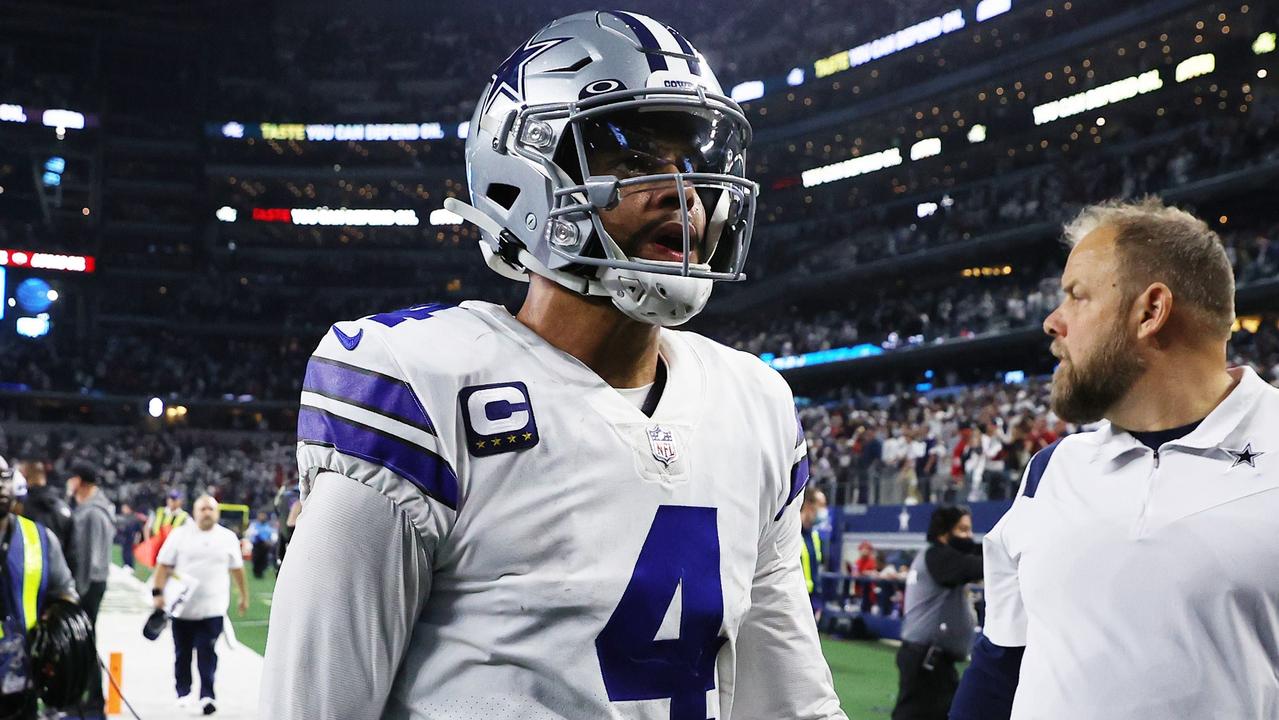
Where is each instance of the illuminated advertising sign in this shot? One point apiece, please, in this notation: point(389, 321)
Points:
point(57, 118)
point(346, 217)
point(47, 261)
point(987, 9)
point(1098, 97)
point(822, 357)
point(926, 148)
point(1193, 67)
point(12, 113)
point(324, 132)
point(901, 40)
point(852, 167)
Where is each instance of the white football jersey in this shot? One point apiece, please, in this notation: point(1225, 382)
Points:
point(585, 560)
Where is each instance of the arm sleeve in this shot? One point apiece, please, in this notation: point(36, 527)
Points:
point(168, 554)
point(951, 568)
point(61, 584)
point(781, 672)
point(989, 684)
point(355, 578)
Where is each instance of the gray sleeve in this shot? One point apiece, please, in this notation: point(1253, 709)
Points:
point(102, 536)
point(79, 533)
point(61, 584)
point(781, 672)
point(353, 582)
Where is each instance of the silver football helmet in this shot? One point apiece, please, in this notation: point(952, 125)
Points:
point(597, 105)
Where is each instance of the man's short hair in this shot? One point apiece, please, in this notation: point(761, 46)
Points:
point(944, 519)
point(87, 474)
point(810, 494)
point(1158, 243)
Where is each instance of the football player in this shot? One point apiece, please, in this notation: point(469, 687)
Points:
point(572, 512)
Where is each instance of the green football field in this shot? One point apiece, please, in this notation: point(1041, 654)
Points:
point(865, 674)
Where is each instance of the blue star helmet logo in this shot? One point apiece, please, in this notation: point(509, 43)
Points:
point(509, 78)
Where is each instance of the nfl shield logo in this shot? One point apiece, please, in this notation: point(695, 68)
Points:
point(662, 443)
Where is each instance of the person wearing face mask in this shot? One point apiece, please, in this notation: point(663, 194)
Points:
point(938, 625)
point(812, 514)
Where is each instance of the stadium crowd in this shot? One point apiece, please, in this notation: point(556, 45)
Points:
point(959, 443)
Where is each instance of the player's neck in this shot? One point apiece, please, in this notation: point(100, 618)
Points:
point(621, 351)
point(1173, 393)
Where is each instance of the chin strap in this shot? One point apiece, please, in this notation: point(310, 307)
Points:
point(501, 264)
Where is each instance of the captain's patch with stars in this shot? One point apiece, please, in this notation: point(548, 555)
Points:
point(498, 418)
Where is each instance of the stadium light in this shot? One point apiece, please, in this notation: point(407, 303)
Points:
point(852, 167)
point(1193, 67)
point(795, 77)
point(1265, 43)
point(1108, 94)
point(33, 327)
point(987, 9)
point(12, 113)
point(63, 119)
point(226, 214)
point(464, 130)
point(926, 148)
point(925, 209)
point(52, 295)
point(233, 129)
point(976, 134)
point(155, 407)
point(747, 91)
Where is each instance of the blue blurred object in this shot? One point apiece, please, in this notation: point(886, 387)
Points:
point(55, 164)
point(33, 295)
point(52, 179)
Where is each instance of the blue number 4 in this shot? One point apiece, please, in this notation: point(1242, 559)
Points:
point(681, 552)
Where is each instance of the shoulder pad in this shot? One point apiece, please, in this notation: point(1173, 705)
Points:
point(360, 416)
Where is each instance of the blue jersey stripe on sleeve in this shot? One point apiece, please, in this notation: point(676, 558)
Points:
point(426, 470)
point(1038, 466)
point(363, 388)
point(798, 479)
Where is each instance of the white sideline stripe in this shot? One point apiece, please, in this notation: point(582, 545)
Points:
point(373, 420)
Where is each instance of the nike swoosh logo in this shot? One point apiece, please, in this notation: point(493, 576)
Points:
point(348, 341)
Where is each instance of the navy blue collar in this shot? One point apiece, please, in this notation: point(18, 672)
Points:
point(1154, 438)
point(655, 392)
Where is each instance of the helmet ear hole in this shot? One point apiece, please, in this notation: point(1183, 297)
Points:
point(503, 194)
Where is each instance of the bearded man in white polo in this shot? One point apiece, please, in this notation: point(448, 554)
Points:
point(201, 555)
point(1136, 576)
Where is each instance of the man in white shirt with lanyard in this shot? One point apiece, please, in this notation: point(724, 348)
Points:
point(1136, 575)
point(199, 555)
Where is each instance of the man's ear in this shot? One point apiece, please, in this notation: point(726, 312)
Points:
point(1153, 308)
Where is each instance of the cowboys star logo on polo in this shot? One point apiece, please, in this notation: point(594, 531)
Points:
point(1247, 456)
point(509, 78)
point(662, 443)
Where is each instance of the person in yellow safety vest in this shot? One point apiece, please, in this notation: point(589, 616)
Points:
point(171, 515)
point(33, 573)
point(812, 513)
